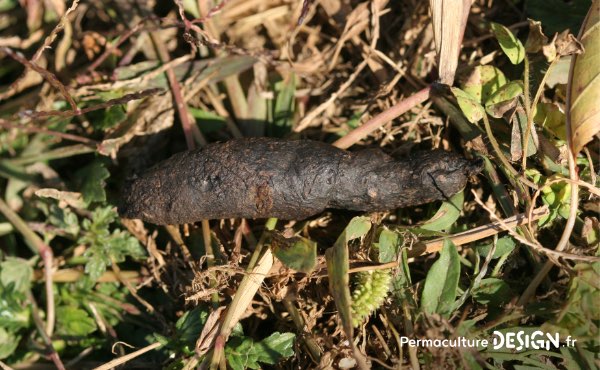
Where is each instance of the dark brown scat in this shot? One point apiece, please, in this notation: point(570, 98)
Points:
point(288, 179)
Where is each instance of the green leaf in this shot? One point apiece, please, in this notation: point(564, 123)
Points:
point(275, 347)
point(469, 105)
point(551, 117)
point(189, 326)
point(283, 114)
point(104, 246)
point(492, 291)
point(112, 117)
point(73, 321)
point(208, 122)
point(244, 353)
point(512, 47)
point(14, 312)
point(447, 214)
point(483, 82)
point(441, 282)
point(504, 99)
point(297, 253)
point(8, 343)
point(389, 245)
point(16, 271)
point(92, 178)
point(504, 245)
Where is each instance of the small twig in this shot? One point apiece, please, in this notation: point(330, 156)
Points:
point(553, 255)
point(121, 360)
point(72, 113)
point(112, 47)
point(7, 125)
point(47, 75)
point(44, 333)
point(384, 117)
point(190, 131)
point(529, 112)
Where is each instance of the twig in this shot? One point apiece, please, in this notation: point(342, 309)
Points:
point(71, 113)
point(553, 255)
point(44, 333)
point(190, 131)
point(382, 118)
point(529, 112)
point(7, 125)
point(121, 360)
point(47, 75)
point(112, 47)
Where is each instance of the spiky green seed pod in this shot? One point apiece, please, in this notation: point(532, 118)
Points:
point(369, 293)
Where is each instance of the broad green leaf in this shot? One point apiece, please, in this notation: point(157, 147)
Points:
point(447, 215)
point(511, 46)
point(483, 82)
point(297, 253)
point(439, 291)
point(585, 84)
point(91, 178)
point(504, 99)
point(243, 353)
point(73, 321)
point(492, 291)
point(504, 245)
point(337, 269)
point(14, 312)
point(8, 343)
point(189, 326)
point(275, 347)
point(16, 271)
point(389, 245)
point(469, 105)
point(551, 117)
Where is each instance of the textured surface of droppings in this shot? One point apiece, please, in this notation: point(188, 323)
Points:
point(288, 179)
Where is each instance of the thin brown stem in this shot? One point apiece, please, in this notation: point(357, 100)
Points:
point(382, 118)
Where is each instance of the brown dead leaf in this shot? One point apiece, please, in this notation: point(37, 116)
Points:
point(584, 110)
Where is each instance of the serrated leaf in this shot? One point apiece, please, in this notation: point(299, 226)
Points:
point(585, 83)
point(447, 214)
point(92, 179)
point(189, 326)
point(8, 343)
point(470, 107)
point(16, 271)
point(244, 353)
point(512, 47)
point(275, 347)
point(439, 291)
point(297, 253)
point(483, 82)
point(73, 321)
